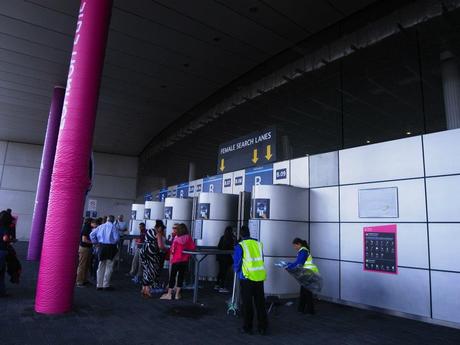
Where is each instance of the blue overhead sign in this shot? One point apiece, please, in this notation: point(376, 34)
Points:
point(254, 149)
point(213, 184)
point(258, 176)
point(163, 194)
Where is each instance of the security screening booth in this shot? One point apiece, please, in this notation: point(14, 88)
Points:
point(279, 214)
point(154, 210)
point(137, 217)
point(177, 210)
point(214, 212)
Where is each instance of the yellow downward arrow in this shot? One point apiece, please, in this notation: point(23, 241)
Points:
point(269, 152)
point(222, 165)
point(254, 156)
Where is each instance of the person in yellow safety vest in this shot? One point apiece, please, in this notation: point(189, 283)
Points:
point(305, 260)
point(248, 264)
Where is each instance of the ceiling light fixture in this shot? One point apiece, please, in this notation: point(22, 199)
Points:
point(408, 133)
point(368, 141)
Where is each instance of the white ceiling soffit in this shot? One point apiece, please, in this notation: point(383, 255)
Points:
point(163, 58)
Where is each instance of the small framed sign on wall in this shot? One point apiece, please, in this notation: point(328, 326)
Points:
point(378, 203)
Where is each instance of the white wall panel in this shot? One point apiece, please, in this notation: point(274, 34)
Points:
point(115, 165)
point(114, 187)
point(238, 181)
point(329, 270)
point(19, 201)
point(324, 169)
point(299, 172)
point(279, 282)
point(277, 236)
point(442, 152)
point(390, 160)
point(281, 172)
point(227, 183)
point(445, 246)
point(192, 188)
point(198, 186)
point(446, 296)
point(443, 198)
point(411, 241)
point(411, 200)
point(324, 240)
point(25, 155)
point(19, 178)
point(324, 204)
point(408, 291)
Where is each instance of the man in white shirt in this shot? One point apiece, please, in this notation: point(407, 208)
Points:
point(107, 236)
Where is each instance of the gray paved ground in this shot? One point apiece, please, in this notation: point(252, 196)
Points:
point(123, 317)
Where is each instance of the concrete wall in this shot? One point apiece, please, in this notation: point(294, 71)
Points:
point(114, 184)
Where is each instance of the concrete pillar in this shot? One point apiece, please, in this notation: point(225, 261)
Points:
point(69, 182)
point(286, 150)
point(44, 179)
point(191, 171)
point(450, 72)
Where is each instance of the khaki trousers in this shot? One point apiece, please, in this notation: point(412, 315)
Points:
point(84, 262)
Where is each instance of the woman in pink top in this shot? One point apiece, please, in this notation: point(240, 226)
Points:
point(179, 260)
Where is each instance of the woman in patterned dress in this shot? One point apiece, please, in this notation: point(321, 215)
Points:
point(150, 259)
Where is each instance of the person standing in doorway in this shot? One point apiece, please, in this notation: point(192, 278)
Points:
point(107, 236)
point(226, 242)
point(84, 252)
point(248, 264)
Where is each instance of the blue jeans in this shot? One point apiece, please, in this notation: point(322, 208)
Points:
point(2, 271)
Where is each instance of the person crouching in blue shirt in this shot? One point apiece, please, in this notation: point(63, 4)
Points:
point(303, 254)
point(107, 236)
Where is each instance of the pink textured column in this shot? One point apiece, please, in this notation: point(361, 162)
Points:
point(44, 180)
point(56, 277)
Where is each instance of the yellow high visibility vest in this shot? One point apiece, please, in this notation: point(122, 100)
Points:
point(309, 262)
point(253, 261)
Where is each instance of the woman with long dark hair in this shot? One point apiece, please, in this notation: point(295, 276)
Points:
point(152, 256)
point(304, 259)
point(226, 242)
